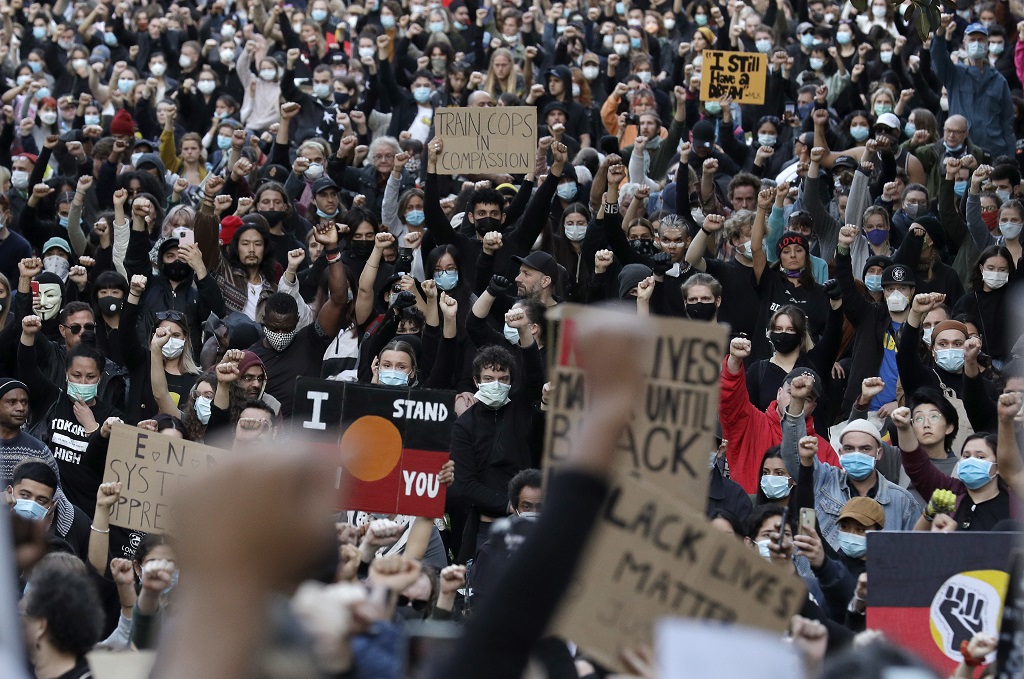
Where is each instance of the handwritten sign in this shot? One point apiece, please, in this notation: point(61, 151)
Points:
point(390, 443)
point(672, 432)
point(486, 140)
point(653, 557)
point(741, 75)
point(150, 468)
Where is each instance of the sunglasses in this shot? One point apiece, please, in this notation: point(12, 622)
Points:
point(176, 316)
point(76, 328)
point(416, 604)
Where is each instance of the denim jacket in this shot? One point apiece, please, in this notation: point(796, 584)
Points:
point(831, 490)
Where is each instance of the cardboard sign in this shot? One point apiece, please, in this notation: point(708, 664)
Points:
point(652, 557)
point(930, 591)
point(121, 664)
point(1010, 653)
point(686, 648)
point(150, 468)
point(495, 140)
point(740, 74)
point(673, 429)
point(390, 443)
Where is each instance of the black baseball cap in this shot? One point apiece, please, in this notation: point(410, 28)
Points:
point(541, 261)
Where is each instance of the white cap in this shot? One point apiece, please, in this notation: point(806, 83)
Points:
point(864, 427)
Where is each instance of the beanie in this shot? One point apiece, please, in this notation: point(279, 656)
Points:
point(122, 125)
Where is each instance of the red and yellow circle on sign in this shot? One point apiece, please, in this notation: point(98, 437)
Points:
point(372, 447)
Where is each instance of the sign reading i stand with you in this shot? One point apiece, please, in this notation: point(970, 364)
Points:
point(741, 75)
point(653, 553)
point(492, 140)
point(390, 443)
point(150, 467)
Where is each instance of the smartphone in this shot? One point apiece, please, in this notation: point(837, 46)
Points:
point(35, 288)
point(790, 108)
point(184, 235)
point(807, 519)
point(782, 527)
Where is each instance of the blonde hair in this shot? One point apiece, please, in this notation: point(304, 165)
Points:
point(492, 84)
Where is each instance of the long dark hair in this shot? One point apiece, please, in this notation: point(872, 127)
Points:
point(268, 268)
point(761, 498)
point(976, 282)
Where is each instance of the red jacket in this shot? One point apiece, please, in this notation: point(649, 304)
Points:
point(751, 432)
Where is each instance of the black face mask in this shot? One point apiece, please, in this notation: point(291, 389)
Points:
point(784, 342)
point(361, 249)
point(111, 306)
point(645, 246)
point(272, 216)
point(701, 311)
point(177, 271)
point(485, 225)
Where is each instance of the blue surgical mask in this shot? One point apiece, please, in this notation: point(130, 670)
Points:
point(415, 217)
point(42, 92)
point(634, 43)
point(203, 406)
point(882, 108)
point(767, 139)
point(511, 334)
point(909, 129)
point(125, 85)
point(318, 15)
point(712, 107)
point(28, 509)
point(436, 26)
point(960, 187)
point(950, 360)
point(86, 392)
point(110, 39)
point(974, 472)
point(566, 191)
point(807, 39)
point(926, 335)
point(326, 215)
point(952, 149)
point(446, 280)
point(859, 132)
point(421, 94)
point(393, 378)
point(223, 142)
point(1003, 195)
point(775, 487)
point(885, 57)
point(321, 90)
point(39, 32)
point(816, 64)
point(855, 546)
point(620, 8)
point(493, 394)
point(763, 46)
point(92, 119)
point(977, 49)
point(858, 465)
point(387, 21)
point(844, 37)
point(36, 66)
point(873, 281)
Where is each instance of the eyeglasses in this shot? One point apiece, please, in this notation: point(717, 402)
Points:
point(384, 156)
point(76, 328)
point(176, 316)
point(417, 604)
point(933, 418)
point(253, 378)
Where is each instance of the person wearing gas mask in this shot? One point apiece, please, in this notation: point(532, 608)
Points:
point(491, 441)
point(878, 327)
point(287, 352)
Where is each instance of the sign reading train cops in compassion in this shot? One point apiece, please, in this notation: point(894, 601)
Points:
point(390, 443)
point(651, 557)
point(741, 75)
point(672, 433)
point(150, 467)
point(493, 140)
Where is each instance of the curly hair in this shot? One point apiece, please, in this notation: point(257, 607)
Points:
point(67, 601)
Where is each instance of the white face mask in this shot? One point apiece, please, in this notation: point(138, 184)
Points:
point(57, 264)
point(184, 61)
point(926, 336)
point(158, 69)
point(173, 348)
point(48, 117)
point(995, 279)
point(621, 49)
point(575, 232)
point(897, 302)
point(268, 74)
point(493, 394)
point(207, 86)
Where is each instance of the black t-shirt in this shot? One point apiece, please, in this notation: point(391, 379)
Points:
point(304, 357)
point(739, 295)
point(985, 515)
point(776, 293)
point(79, 476)
point(79, 671)
point(180, 386)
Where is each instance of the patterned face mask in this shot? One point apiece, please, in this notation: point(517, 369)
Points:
point(279, 341)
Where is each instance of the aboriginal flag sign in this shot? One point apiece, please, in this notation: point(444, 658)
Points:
point(931, 591)
point(390, 443)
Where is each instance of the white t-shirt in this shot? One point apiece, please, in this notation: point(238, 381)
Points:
point(252, 299)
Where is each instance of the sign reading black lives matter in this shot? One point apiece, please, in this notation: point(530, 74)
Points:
point(653, 553)
point(390, 443)
point(492, 140)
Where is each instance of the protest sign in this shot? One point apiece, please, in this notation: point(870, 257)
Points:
point(1010, 653)
point(651, 557)
point(672, 433)
point(486, 140)
point(930, 591)
point(390, 443)
point(150, 467)
point(687, 648)
point(741, 75)
point(121, 664)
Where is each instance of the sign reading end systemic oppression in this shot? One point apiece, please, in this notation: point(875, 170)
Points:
point(492, 140)
point(741, 75)
point(390, 443)
point(150, 467)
